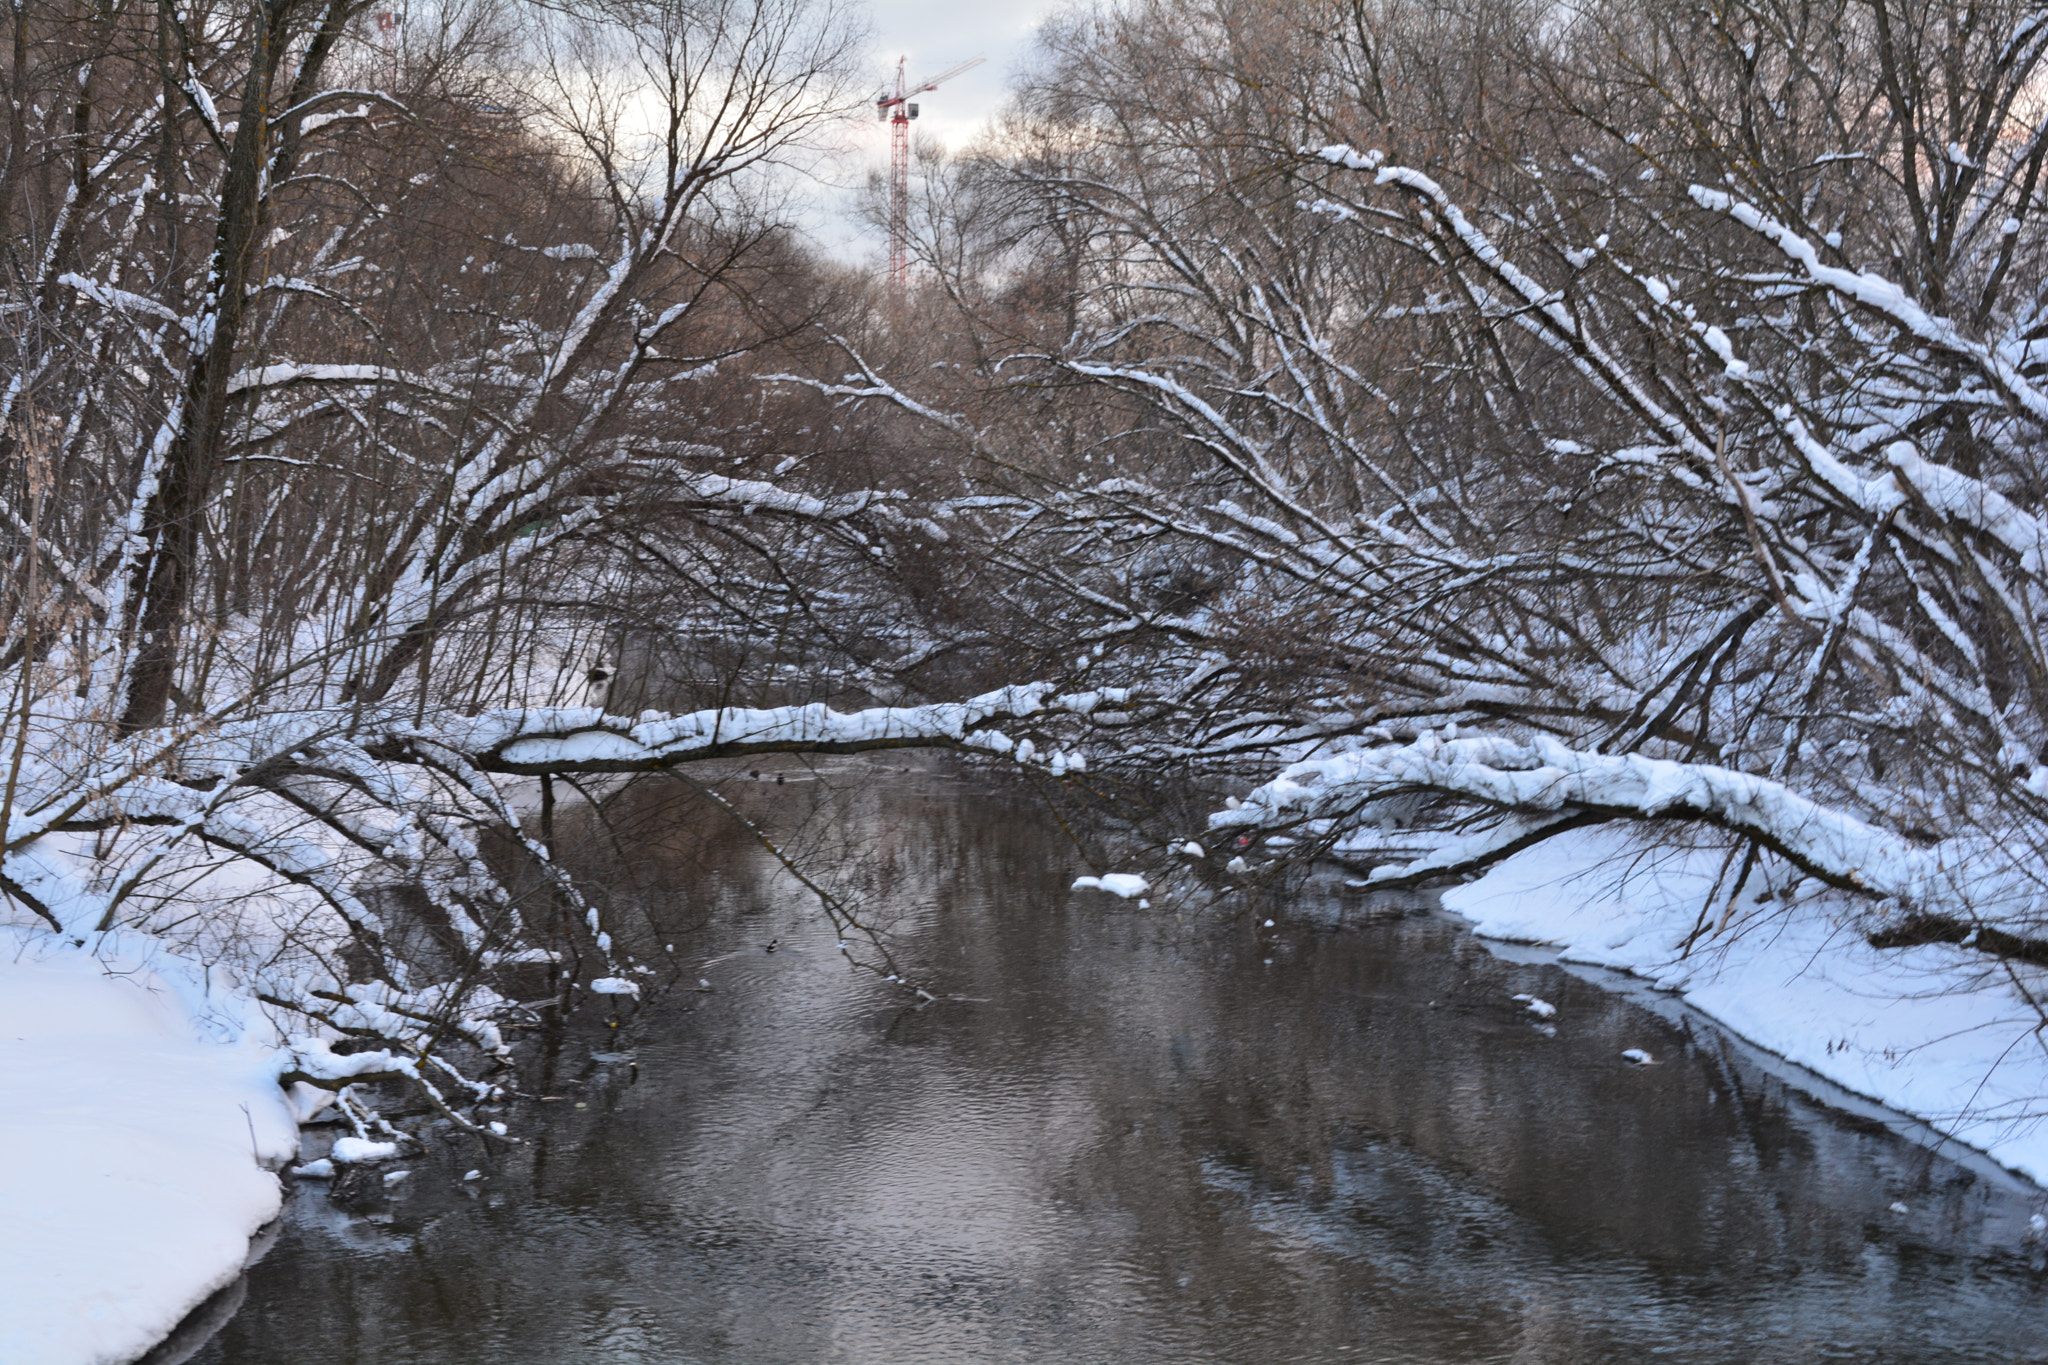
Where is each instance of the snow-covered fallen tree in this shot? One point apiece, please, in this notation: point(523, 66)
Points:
point(375, 431)
point(1518, 794)
point(346, 415)
point(1681, 453)
point(1640, 421)
point(311, 813)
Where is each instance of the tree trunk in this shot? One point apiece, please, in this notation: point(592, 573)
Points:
point(161, 582)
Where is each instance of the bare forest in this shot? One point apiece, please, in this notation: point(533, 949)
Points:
point(1446, 424)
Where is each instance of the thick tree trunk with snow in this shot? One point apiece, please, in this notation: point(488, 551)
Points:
point(164, 566)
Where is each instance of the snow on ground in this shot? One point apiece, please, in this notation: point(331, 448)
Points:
point(140, 1120)
point(1935, 1032)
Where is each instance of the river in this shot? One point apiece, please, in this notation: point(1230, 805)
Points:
point(1169, 1134)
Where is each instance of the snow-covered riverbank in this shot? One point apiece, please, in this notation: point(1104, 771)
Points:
point(1936, 1032)
point(140, 1125)
point(140, 1120)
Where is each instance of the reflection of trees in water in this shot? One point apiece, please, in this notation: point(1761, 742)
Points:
point(765, 838)
point(1136, 1142)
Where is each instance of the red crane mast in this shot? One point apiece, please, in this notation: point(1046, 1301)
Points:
point(899, 111)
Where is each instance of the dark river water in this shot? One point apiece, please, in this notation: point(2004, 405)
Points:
point(1169, 1134)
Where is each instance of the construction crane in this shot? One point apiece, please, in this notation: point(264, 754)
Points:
point(899, 111)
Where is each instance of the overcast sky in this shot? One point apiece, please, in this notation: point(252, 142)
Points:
point(933, 35)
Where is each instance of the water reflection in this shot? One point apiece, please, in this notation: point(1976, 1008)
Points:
point(1139, 1140)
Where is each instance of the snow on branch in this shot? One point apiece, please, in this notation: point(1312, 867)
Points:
point(270, 753)
point(754, 495)
point(1882, 296)
point(309, 122)
point(1544, 787)
point(538, 741)
point(280, 375)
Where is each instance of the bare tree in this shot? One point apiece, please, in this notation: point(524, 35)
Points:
point(1627, 416)
point(367, 395)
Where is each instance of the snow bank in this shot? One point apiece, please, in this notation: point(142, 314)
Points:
point(140, 1118)
point(1934, 1032)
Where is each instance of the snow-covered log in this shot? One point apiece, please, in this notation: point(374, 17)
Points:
point(1540, 788)
point(532, 743)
